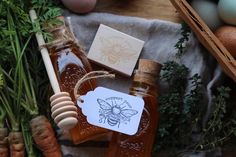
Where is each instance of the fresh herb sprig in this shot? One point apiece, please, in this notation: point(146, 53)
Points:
point(178, 110)
point(220, 127)
point(47, 11)
point(193, 100)
point(181, 119)
point(181, 44)
point(1, 80)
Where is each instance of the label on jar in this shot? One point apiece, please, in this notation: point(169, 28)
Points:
point(112, 110)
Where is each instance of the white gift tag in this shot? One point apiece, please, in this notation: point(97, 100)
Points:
point(112, 110)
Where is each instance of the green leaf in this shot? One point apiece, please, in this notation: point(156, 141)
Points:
point(181, 44)
point(1, 81)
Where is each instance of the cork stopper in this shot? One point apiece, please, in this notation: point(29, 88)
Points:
point(147, 71)
point(149, 66)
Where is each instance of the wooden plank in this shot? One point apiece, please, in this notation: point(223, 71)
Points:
point(150, 9)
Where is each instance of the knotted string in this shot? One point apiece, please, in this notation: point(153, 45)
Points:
point(67, 36)
point(89, 76)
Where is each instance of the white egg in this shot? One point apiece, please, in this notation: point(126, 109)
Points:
point(227, 11)
point(207, 10)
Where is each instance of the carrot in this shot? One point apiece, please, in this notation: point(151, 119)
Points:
point(3, 131)
point(44, 137)
point(3, 142)
point(16, 142)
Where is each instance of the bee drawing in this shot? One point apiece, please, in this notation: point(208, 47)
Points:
point(114, 114)
point(116, 49)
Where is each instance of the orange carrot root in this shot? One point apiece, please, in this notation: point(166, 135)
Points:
point(44, 137)
point(16, 142)
point(3, 142)
point(3, 152)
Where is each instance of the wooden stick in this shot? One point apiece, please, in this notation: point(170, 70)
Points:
point(46, 58)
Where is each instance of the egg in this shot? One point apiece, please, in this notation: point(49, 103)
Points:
point(227, 35)
point(227, 11)
point(80, 6)
point(207, 10)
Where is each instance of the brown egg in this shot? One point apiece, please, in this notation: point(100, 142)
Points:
point(227, 35)
point(80, 6)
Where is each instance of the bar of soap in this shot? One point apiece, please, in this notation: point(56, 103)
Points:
point(115, 50)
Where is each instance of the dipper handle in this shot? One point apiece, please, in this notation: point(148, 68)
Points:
point(45, 55)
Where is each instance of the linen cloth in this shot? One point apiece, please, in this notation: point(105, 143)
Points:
point(160, 38)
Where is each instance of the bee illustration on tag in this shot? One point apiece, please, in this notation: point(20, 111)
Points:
point(115, 49)
point(113, 113)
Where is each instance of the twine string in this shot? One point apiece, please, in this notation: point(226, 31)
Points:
point(89, 76)
point(67, 36)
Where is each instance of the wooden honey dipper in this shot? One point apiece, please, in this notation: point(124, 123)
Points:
point(64, 112)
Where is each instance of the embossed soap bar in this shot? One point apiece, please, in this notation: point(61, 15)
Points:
point(115, 50)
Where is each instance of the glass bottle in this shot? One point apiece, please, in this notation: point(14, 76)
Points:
point(70, 64)
point(144, 85)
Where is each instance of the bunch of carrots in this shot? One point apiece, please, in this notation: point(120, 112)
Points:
point(21, 86)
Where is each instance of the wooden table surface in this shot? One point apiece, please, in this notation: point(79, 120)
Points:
point(150, 9)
